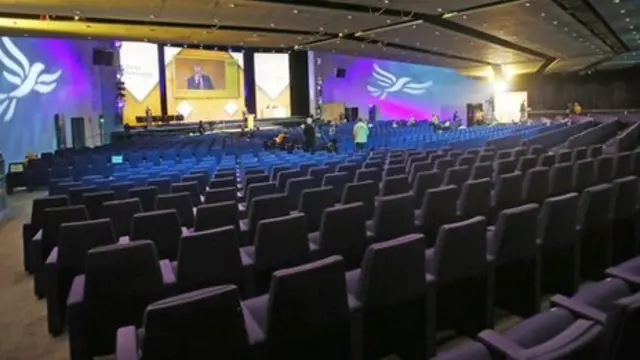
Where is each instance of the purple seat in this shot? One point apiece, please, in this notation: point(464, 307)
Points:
point(579, 154)
point(604, 169)
point(459, 265)
point(395, 185)
point(306, 314)
point(626, 228)
point(221, 183)
point(121, 189)
point(31, 228)
point(551, 335)
point(261, 208)
point(254, 191)
point(181, 203)
point(162, 228)
point(210, 258)
point(294, 189)
point(67, 260)
point(563, 157)
point(312, 204)
point(95, 201)
point(120, 281)
point(284, 177)
point(583, 175)
point(221, 195)
point(76, 195)
point(526, 163)
point(213, 216)
point(456, 176)
point(337, 181)
point(362, 192)
point(279, 243)
point(595, 228)
point(482, 170)
point(623, 165)
point(391, 287)
point(512, 246)
point(191, 188)
point(162, 184)
point(45, 241)
point(559, 238)
point(560, 179)
point(438, 208)
point(207, 321)
point(506, 195)
point(342, 232)
point(425, 181)
point(475, 199)
point(393, 217)
point(371, 174)
point(121, 213)
point(318, 173)
point(536, 185)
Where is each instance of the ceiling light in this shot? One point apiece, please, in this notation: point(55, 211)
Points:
point(388, 21)
point(272, 25)
point(439, 9)
point(295, 11)
point(623, 11)
point(349, 16)
point(527, 4)
point(543, 14)
point(464, 16)
point(555, 23)
point(232, 5)
point(152, 17)
point(627, 19)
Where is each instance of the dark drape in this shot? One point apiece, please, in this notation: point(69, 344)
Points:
point(162, 81)
point(616, 89)
point(249, 81)
point(299, 83)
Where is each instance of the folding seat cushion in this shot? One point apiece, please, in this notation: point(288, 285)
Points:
point(147, 196)
point(342, 232)
point(456, 176)
point(162, 227)
point(512, 245)
point(31, 228)
point(439, 207)
point(261, 208)
point(191, 188)
point(121, 213)
point(337, 182)
point(526, 163)
point(604, 167)
point(394, 315)
point(279, 243)
point(579, 154)
point(583, 175)
point(206, 321)
point(294, 189)
point(120, 281)
point(45, 241)
point(67, 260)
point(306, 314)
point(482, 171)
point(76, 195)
point(181, 203)
point(210, 258)
point(312, 204)
point(595, 228)
point(213, 216)
point(553, 334)
point(626, 228)
point(629, 271)
point(318, 173)
point(623, 165)
point(162, 184)
point(363, 192)
point(459, 266)
point(395, 185)
point(475, 199)
point(121, 189)
point(424, 181)
point(561, 179)
point(559, 237)
point(535, 188)
point(393, 217)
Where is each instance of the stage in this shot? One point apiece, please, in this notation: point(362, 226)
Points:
point(182, 128)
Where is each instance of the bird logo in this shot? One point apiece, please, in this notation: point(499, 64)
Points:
point(23, 75)
point(388, 83)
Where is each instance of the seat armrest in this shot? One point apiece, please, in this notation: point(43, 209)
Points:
point(623, 275)
point(52, 259)
point(168, 277)
point(76, 294)
point(579, 308)
point(353, 303)
point(127, 343)
point(124, 239)
point(497, 342)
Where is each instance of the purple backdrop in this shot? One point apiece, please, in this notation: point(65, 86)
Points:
point(397, 89)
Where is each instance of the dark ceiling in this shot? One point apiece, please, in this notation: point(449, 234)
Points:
point(473, 36)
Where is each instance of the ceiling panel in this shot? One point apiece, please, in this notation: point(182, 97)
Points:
point(420, 6)
point(254, 14)
point(430, 37)
point(149, 33)
point(624, 18)
point(356, 48)
point(575, 64)
point(621, 61)
point(537, 24)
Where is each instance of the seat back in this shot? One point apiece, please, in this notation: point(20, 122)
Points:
point(466, 161)
point(221, 183)
point(419, 167)
point(444, 164)
point(162, 184)
point(121, 212)
point(253, 179)
point(623, 165)
point(475, 198)
point(148, 196)
point(281, 242)
point(294, 190)
point(625, 197)
point(337, 181)
point(217, 215)
point(604, 167)
point(53, 218)
point(393, 217)
point(349, 169)
point(76, 195)
point(563, 156)
point(121, 189)
point(546, 160)
point(374, 175)
point(482, 171)
point(162, 227)
point(284, 176)
point(595, 208)
point(260, 189)
point(579, 154)
point(557, 221)
point(583, 175)
point(514, 237)
point(536, 185)
point(220, 195)
point(40, 205)
point(426, 180)
point(363, 192)
point(343, 232)
point(394, 185)
point(190, 188)
point(318, 173)
point(439, 207)
point(456, 176)
point(595, 151)
point(209, 258)
point(527, 163)
point(75, 239)
point(181, 203)
point(94, 202)
point(561, 179)
point(508, 191)
point(312, 204)
point(267, 207)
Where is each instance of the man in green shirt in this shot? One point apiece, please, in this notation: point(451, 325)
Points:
point(360, 135)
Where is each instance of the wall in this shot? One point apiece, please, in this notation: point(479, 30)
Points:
point(272, 85)
point(397, 89)
point(42, 77)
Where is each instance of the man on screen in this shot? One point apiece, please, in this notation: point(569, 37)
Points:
point(199, 80)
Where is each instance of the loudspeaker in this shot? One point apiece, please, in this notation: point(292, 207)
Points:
point(341, 72)
point(351, 113)
point(59, 129)
point(102, 57)
point(78, 139)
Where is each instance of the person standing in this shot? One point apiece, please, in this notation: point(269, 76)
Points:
point(309, 132)
point(360, 134)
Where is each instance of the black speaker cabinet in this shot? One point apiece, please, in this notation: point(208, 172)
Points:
point(341, 72)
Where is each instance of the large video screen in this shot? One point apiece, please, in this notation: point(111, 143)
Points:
point(273, 98)
point(140, 74)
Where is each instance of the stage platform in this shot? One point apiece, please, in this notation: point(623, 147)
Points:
point(183, 129)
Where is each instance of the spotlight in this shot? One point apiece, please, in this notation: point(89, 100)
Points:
point(500, 86)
